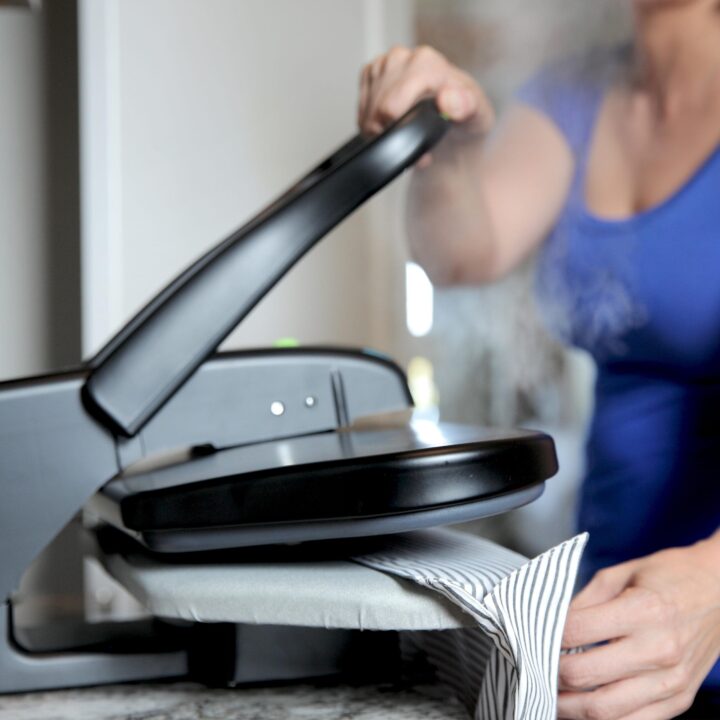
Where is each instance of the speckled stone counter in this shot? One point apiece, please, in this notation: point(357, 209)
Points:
point(191, 702)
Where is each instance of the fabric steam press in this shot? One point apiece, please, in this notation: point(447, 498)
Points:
point(275, 463)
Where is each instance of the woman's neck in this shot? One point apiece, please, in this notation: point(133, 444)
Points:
point(677, 52)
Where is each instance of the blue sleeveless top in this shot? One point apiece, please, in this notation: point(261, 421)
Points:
point(642, 296)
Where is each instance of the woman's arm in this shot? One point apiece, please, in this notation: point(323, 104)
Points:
point(483, 201)
point(659, 618)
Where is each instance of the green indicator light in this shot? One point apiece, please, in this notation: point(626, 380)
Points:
point(286, 342)
point(445, 116)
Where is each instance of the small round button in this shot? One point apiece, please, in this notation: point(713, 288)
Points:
point(310, 401)
point(277, 408)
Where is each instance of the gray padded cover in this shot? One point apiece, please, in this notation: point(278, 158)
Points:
point(336, 594)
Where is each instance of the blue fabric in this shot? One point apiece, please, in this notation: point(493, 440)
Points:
point(642, 296)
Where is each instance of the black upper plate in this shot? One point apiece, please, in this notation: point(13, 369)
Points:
point(334, 477)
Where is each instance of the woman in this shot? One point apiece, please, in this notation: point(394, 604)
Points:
point(615, 176)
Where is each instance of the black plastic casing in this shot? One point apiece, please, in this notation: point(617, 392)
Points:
point(156, 352)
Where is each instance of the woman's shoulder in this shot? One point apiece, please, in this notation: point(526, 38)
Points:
point(569, 90)
point(579, 73)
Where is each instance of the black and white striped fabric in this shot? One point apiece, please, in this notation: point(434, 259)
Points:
point(506, 669)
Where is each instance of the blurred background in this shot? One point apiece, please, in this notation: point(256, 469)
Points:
point(134, 134)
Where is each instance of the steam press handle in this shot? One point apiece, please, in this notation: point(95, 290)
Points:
point(143, 366)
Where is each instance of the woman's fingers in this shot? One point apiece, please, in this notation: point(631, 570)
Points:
point(395, 58)
point(398, 97)
point(373, 77)
point(665, 710)
point(604, 586)
point(634, 608)
point(364, 95)
point(425, 161)
point(397, 80)
point(394, 82)
point(369, 76)
point(457, 103)
point(623, 699)
point(612, 662)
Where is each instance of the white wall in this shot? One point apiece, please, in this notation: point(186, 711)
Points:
point(39, 228)
point(23, 309)
point(195, 114)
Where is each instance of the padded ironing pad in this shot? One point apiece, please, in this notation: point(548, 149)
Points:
point(307, 594)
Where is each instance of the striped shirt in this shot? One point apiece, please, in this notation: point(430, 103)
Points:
point(507, 667)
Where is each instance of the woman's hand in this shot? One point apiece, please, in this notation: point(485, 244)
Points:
point(395, 81)
point(482, 207)
point(660, 619)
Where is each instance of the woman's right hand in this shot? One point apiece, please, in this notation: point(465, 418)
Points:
point(392, 83)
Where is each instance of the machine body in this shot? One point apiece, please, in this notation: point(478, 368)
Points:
point(183, 451)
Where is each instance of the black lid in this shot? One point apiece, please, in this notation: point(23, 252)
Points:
point(143, 366)
point(330, 485)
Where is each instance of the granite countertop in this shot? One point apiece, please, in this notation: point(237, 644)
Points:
point(185, 701)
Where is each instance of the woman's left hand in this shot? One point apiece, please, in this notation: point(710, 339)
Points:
point(660, 619)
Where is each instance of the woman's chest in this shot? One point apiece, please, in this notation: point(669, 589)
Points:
point(645, 291)
point(637, 159)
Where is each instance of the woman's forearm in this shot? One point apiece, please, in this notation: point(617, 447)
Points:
point(483, 203)
point(449, 228)
point(481, 207)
